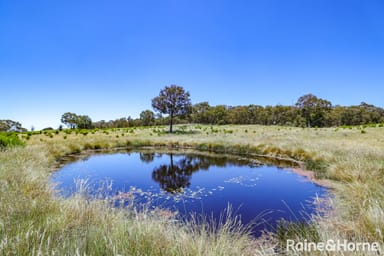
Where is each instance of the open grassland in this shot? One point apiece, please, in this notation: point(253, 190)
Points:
point(33, 220)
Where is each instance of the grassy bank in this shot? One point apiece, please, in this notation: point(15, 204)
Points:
point(33, 220)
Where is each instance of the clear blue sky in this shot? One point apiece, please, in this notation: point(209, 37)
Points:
point(108, 59)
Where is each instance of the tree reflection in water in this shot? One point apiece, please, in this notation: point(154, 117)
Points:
point(176, 176)
point(147, 157)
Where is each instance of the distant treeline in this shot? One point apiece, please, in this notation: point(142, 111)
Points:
point(309, 111)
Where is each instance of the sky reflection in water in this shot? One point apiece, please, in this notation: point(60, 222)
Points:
point(194, 183)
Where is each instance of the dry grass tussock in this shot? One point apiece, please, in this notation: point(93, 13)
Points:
point(32, 219)
point(34, 222)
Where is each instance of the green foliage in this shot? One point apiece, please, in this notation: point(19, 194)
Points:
point(67, 131)
point(174, 101)
point(318, 166)
point(69, 119)
point(228, 131)
point(309, 111)
point(147, 117)
point(84, 122)
point(73, 121)
point(8, 140)
point(314, 110)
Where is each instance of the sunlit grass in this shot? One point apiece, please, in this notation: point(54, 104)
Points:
point(33, 219)
point(35, 222)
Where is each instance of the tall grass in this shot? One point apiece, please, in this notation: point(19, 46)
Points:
point(34, 220)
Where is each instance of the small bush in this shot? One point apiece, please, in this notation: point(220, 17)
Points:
point(318, 166)
point(8, 140)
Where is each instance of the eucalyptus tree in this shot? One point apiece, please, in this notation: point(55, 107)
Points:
point(174, 101)
point(74, 121)
point(84, 122)
point(10, 125)
point(313, 109)
point(69, 119)
point(147, 117)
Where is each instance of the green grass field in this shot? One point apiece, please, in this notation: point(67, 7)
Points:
point(35, 222)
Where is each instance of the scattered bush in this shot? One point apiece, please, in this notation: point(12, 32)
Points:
point(8, 140)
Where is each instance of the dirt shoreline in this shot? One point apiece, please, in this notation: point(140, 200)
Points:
point(310, 175)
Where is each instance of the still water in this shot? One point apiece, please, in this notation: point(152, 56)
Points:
point(193, 183)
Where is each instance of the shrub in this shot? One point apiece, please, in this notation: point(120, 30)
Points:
point(319, 166)
point(8, 140)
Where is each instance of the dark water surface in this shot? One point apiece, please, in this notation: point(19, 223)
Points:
point(194, 183)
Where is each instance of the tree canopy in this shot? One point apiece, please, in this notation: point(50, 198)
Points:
point(73, 121)
point(147, 117)
point(174, 101)
point(11, 126)
point(308, 111)
point(313, 109)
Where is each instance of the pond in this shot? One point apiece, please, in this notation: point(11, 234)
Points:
point(190, 183)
